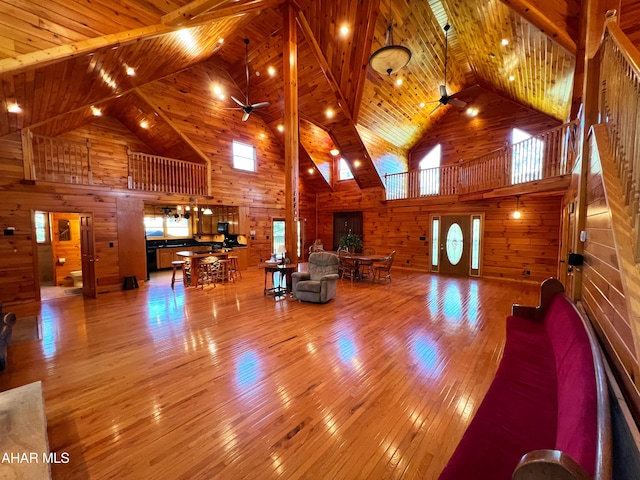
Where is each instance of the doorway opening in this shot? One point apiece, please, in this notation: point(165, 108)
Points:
point(64, 249)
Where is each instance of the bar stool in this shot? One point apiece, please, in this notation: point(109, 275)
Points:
point(175, 265)
point(234, 267)
point(207, 274)
point(224, 273)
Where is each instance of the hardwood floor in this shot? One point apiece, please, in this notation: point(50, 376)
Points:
point(228, 383)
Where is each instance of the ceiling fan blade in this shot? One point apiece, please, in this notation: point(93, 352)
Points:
point(434, 110)
point(233, 108)
point(443, 91)
point(246, 62)
point(260, 104)
point(457, 103)
point(237, 101)
point(245, 116)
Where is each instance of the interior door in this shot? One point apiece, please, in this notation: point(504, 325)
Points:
point(345, 223)
point(455, 241)
point(87, 247)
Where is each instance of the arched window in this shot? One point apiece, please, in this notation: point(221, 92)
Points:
point(430, 172)
point(526, 159)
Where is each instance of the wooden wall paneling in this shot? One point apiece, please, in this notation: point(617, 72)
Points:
point(464, 138)
point(510, 247)
point(131, 247)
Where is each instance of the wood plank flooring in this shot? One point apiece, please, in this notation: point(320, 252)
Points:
point(228, 383)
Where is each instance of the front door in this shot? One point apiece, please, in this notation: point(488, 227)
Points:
point(87, 247)
point(455, 240)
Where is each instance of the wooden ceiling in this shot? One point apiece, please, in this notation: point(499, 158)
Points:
point(58, 59)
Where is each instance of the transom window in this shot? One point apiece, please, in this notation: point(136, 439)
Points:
point(244, 156)
point(344, 172)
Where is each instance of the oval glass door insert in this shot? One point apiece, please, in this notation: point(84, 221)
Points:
point(454, 244)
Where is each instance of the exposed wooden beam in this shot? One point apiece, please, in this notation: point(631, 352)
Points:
point(353, 144)
point(324, 65)
point(534, 15)
point(156, 107)
point(190, 11)
point(363, 51)
point(200, 15)
point(52, 55)
point(291, 127)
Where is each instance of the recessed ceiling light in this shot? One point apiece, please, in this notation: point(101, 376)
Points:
point(505, 41)
point(334, 151)
point(14, 108)
point(344, 30)
point(311, 171)
point(356, 163)
point(272, 71)
point(421, 104)
point(96, 111)
point(130, 71)
point(221, 40)
point(144, 124)
point(281, 128)
point(399, 81)
point(329, 113)
point(511, 78)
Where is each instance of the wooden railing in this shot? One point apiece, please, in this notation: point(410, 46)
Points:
point(550, 154)
point(61, 161)
point(160, 174)
point(620, 112)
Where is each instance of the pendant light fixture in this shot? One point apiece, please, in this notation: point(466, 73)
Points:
point(516, 214)
point(390, 58)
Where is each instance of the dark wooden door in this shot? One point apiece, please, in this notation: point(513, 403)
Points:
point(455, 242)
point(345, 223)
point(87, 247)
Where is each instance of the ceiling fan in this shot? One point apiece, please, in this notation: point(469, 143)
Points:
point(445, 98)
point(246, 107)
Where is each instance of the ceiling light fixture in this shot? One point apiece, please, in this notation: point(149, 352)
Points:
point(390, 58)
point(344, 30)
point(281, 128)
point(334, 151)
point(96, 111)
point(329, 113)
point(13, 108)
point(505, 41)
point(130, 71)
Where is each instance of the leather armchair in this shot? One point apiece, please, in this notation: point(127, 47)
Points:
point(320, 283)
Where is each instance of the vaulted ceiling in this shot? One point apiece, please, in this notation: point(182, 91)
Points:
point(58, 59)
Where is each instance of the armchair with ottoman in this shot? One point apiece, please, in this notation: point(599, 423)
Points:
point(320, 283)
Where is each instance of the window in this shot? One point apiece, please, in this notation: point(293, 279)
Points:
point(435, 243)
point(475, 245)
point(42, 227)
point(166, 227)
point(430, 172)
point(244, 156)
point(278, 242)
point(344, 172)
point(526, 163)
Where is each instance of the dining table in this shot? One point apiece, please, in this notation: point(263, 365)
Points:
point(365, 261)
point(195, 258)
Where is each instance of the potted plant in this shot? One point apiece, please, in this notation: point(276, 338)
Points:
point(350, 242)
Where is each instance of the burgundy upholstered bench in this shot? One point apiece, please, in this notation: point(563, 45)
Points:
point(546, 413)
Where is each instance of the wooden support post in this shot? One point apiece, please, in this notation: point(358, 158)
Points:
point(291, 126)
point(27, 154)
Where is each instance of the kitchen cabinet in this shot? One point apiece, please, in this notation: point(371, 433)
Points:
point(208, 224)
point(243, 257)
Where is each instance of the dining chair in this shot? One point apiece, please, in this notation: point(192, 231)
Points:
point(347, 265)
point(382, 269)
